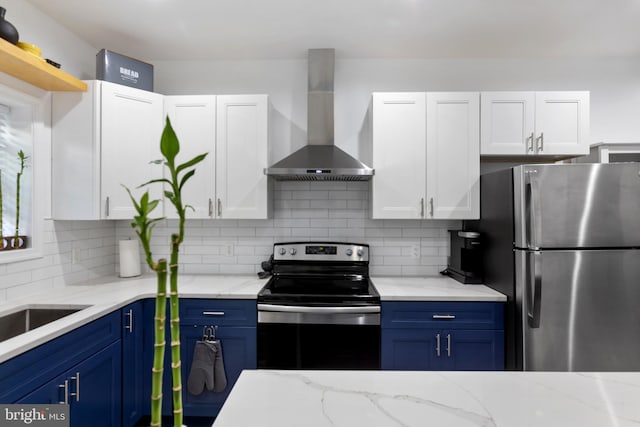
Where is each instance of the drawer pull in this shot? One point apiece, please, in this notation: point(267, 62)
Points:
point(213, 313)
point(438, 345)
point(443, 316)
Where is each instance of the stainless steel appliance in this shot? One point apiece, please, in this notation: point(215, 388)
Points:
point(319, 310)
point(563, 243)
point(320, 159)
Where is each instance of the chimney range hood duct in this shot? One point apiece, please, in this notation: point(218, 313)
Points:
point(320, 160)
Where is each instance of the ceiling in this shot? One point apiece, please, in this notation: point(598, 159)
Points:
point(285, 29)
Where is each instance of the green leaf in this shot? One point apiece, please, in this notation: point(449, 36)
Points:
point(195, 160)
point(169, 145)
point(186, 177)
point(155, 181)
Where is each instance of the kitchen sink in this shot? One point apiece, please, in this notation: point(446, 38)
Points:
point(19, 322)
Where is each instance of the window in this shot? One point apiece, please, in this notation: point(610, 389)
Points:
point(15, 167)
point(23, 131)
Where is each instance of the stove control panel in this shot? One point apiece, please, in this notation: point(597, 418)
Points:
point(320, 251)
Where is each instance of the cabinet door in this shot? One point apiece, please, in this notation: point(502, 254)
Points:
point(97, 403)
point(93, 390)
point(562, 123)
point(239, 352)
point(473, 350)
point(453, 155)
point(130, 139)
point(507, 123)
point(399, 155)
point(133, 397)
point(409, 349)
point(241, 145)
point(194, 120)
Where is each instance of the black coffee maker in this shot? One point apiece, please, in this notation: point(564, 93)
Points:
point(465, 259)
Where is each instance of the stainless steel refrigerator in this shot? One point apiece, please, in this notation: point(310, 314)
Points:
point(563, 243)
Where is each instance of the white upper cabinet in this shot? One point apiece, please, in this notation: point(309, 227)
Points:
point(425, 155)
point(193, 118)
point(131, 127)
point(102, 140)
point(534, 123)
point(108, 136)
point(399, 155)
point(241, 156)
point(453, 155)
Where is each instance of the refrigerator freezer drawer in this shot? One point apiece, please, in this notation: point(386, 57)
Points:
point(577, 205)
point(579, 309)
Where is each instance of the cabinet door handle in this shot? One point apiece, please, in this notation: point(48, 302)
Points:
point(219, 207)
point(107, 206)
point(129, 326)
point(530, 144)
point(431, 207)
point(210, 207)
point(448, 345)
point(438, 345)
point(422, 208)
point(540, 141)
point(65, 390)
point(213, 313)
point(443, 316)
point(77, 392)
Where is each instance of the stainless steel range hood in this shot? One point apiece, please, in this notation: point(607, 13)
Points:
point(320, 159)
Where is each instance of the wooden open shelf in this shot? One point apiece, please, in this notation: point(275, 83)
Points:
point(38, 72)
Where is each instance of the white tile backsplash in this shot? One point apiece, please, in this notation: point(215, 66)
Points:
point(93, 243)
point(336, 211)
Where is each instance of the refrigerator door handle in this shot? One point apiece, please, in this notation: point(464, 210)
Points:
point(534, 288)
point(533, 213)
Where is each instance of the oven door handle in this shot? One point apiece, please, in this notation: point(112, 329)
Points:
point(318, 310)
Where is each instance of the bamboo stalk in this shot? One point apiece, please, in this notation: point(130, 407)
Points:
point(175, 332)
point(16, 242)
point(159, 344)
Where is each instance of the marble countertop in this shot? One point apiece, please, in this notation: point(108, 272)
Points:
point(436, 288)
point(445, 399)
point(107, 294)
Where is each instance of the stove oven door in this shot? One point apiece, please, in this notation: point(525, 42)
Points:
point(303, 337)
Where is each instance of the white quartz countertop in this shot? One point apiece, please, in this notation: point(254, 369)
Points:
point(436, 288)
point(107, 294)
point(443, 399)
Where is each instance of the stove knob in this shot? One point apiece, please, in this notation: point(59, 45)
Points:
point(349, 252)
point(282, 251)
point(360, 252)
point(293, 251)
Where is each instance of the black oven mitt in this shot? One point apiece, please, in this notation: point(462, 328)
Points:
point(207, 368)
point(218, 369)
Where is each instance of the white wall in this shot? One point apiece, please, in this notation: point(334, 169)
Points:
point(76, 56)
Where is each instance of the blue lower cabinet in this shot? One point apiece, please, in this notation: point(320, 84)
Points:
point(451, 336)
point(238, 353)
point(91, 388)
point(134, 400)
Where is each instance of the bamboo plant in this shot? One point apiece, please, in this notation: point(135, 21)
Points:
point(178, 176)
point(23, 158)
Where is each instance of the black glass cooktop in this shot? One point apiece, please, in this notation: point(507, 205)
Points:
point(319, 290)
